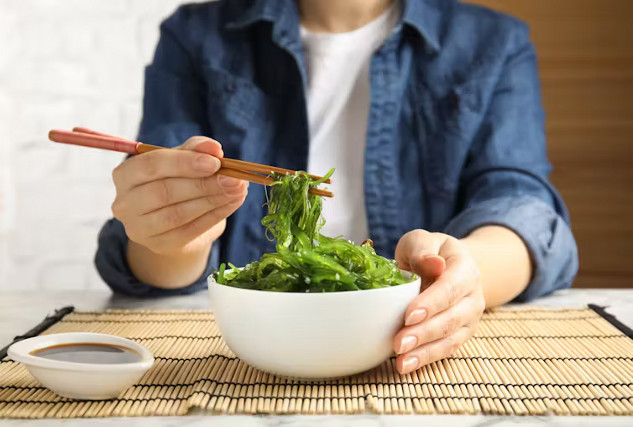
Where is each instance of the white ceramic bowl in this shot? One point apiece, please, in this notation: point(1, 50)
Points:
point(81, 380)
point(311, 335)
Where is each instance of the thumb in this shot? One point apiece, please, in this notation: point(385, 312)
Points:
point(202, 144)
point(417, 251)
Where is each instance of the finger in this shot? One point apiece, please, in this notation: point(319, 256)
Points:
point(418, 251)
point(441, 326)
point(179, 214)
point(187, 233)
point(445, 292)
point(158, 194)
point(434, 351)
point(160, 164)
point(202, 144)
point(457, 281)
point(206, 145)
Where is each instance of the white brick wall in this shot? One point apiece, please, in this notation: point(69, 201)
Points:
point(65, 63)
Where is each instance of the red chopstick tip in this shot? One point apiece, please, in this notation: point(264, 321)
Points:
point(51, 134)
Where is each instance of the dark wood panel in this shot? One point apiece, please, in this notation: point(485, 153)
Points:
point(603, 281)
point(593, 171)
point(585, 50)
point(585, 69)
point(589, 100)
point(570, 28)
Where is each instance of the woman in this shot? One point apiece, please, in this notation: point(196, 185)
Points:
point(430, 111)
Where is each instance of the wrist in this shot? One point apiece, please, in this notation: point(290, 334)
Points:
point(167, 271)
point(503, 260)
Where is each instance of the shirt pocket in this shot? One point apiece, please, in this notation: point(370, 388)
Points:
point(240, 115)
point(448, 121)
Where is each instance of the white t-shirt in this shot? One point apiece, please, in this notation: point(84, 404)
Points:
point(338, 106)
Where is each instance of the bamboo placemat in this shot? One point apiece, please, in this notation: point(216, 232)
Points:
point(527, 362)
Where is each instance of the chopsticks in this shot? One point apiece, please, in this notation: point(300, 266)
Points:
point(253, 172)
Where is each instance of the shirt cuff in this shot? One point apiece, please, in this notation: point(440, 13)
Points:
point(112, 265)
point(546, 234)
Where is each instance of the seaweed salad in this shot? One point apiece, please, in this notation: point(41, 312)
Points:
point(306, 260)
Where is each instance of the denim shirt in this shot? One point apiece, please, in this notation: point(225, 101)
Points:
point(455, 136)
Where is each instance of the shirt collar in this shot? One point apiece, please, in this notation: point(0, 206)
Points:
point(242, 16)
point(425, 16)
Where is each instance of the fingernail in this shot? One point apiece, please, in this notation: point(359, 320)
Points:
point(207, 164)
point(409, 364)
point(416, 316)
point(228, 181)
point(407, 344)
point(429, 257)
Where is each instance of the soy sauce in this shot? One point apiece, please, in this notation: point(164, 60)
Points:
point(89, 352)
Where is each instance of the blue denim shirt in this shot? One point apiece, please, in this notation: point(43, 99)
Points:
point(455, 136)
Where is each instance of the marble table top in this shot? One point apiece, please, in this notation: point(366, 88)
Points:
point(20, 311)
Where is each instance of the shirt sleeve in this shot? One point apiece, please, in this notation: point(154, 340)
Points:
point(173, 111)
point(505, 180)
point(112, 265)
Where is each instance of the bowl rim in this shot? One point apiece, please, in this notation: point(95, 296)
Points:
point(21, 352)
point(414, 279)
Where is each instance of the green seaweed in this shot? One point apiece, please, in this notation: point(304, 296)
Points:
point(306, 260)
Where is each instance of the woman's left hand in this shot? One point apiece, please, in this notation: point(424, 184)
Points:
point(447, 311)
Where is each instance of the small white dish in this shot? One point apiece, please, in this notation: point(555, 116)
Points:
point(89, 381)
point(311, 335)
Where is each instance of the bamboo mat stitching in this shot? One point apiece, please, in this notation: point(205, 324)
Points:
point(513, 366)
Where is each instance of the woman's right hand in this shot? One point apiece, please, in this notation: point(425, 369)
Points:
point(173, 202)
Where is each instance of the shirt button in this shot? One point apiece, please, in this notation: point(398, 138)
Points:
point(456, 100)
point(230, 87)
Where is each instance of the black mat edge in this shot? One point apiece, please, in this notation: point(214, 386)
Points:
point(40, 327)
point(602, 312)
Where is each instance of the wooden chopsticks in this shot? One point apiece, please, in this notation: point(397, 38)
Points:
point(253, 172)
